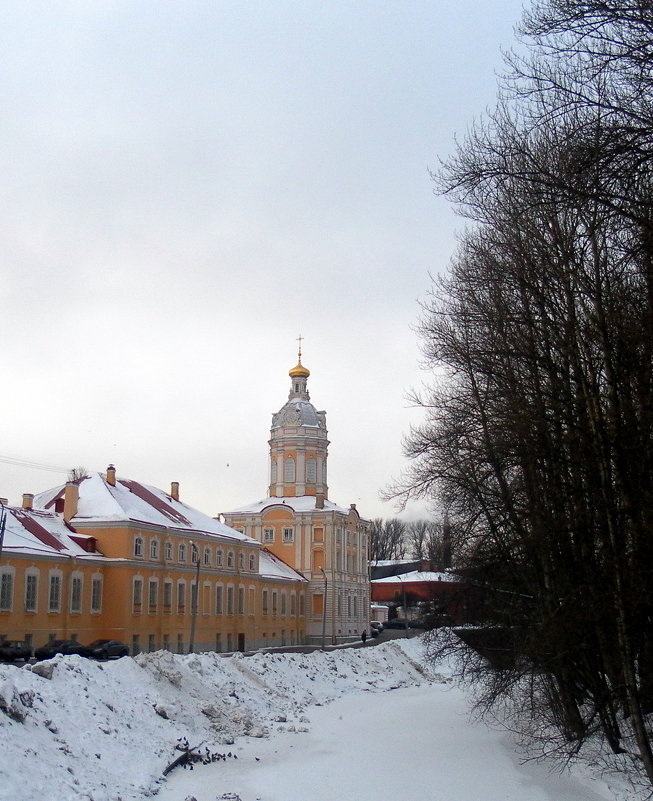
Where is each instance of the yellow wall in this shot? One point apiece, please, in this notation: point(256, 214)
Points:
point(150, 627)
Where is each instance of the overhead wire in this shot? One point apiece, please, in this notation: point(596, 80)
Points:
point(16, 462)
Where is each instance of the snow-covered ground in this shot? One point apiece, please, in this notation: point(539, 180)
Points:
point(315, 727)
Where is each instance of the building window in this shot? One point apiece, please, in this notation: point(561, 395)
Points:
point(166, 642)
point(194, 554)
point(273, 472)
point(230, 559)
point(169, 551)
point(218, 558)
point(138, 547)
point(293, 604)
point(153, 594)
point(230, 600)
point(31, 591)
point(301, 604)
point(181, 598)
point(137, 594)
point(167, 595)
point(6, 590)
point(207, 557)
point(182, 552)
point(311, 471)
point(288, 534)
point(96, 594)
point(154, 549)
point(241, 561)
point(289, 469)
point(218, 599)
point(180, 643)
point(274, 602)
point(241, 600)
point(54, 595)
point(283, 603)
point(265, 602)
point(76, 594)
point(136, 644)
point(252, 562)
point(268, 535)
point(151, 643)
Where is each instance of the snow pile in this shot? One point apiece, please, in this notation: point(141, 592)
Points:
point(76, 729)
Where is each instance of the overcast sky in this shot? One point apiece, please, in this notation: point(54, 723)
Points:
point(187, 187)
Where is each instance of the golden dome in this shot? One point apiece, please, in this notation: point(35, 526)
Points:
point(299, 371)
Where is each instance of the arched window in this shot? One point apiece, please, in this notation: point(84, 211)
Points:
point(154, 549)
point(218, 558)
point(230, 559)
point(138, 546)
point(273, 472)
point(311, 471)
point(289, 469)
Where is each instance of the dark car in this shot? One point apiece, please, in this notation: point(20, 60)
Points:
point(376, 627)
point(105, 649)
point(12, 650)
point(65, 647)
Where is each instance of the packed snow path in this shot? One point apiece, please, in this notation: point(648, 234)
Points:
point(413, 743)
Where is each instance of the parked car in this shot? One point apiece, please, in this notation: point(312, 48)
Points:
point(12, 650)
point(105, 649)
point(395, 623)
point(376, 627)
point(65, 647)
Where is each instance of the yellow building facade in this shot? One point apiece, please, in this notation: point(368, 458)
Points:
point(326, 543)
point(104, 557)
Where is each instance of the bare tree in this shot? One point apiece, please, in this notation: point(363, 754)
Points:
point(540, 440)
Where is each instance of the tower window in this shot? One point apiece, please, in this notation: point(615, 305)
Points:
point(311, 471)
point(297, 386)
point(289, 469)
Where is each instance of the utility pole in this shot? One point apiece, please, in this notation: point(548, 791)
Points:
point(3, 523)
point(324, 608)
point(194, 598)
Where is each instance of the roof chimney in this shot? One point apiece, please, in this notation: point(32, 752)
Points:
point(174, 490)
point(352, 506)
point(111, 475)
point(28, 500)
point(319, 500)
point(70, 501)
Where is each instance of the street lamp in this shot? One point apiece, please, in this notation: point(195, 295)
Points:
point(324, 608)
point(194, 598)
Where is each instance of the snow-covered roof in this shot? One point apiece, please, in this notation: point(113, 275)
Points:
point(301, 503)
point(35, 531)
point(416, 576)
point(132, 501)
point(270, 566)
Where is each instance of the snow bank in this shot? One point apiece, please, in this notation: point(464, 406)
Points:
point(75, 729)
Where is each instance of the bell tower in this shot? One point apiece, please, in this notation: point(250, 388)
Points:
point(298, 442)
